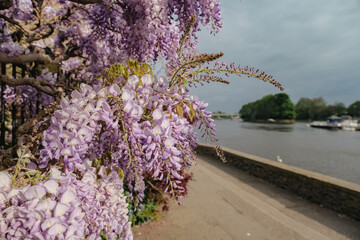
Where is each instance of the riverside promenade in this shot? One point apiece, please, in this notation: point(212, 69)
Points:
point(224, 202)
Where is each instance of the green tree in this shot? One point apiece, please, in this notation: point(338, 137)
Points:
point(317, 109)
point(354, 109)
point(278, 106)
point(247, 112)
point(302, 109)
point(264, 107)
point(283, 107)
point(337, 109)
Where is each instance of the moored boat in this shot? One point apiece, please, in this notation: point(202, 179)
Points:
point(334, 122)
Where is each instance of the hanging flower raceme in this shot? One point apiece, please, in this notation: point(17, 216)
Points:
point(64, 207)
point(74, 126)
point(133, 122)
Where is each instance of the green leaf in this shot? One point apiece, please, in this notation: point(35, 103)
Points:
point(32, 172)
point(180, 110)
point(131, 66)
point(124, 71)
point(191, 113)
point(138, 68)
point(111, 74)
point(52, 67)
point(108, 171)
point(121, 173)
point(103, 236)
point(95, 163)
point(147, 69)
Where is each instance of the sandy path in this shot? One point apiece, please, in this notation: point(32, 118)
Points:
point(225, 203)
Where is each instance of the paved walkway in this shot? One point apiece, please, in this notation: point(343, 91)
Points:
point(225, 203)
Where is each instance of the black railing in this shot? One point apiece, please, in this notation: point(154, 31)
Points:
point(16, 113)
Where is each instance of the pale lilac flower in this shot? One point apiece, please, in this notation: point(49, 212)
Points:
point(114, 90)
point(46, 205)
point(51, 186)
point(127, 95)
point(147, 80)
point(68, 197)
point(25, 6)
point(157, 114)
point(12, 48)
point(162, 82)
point(57, 229)
point(5, 181)
point(128, 106)
point(169, 142)
point(133, 81)
point(49, 12)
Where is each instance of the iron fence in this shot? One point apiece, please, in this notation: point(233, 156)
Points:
point(16, 112)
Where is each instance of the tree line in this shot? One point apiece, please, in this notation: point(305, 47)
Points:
point(317, 109)
point(280, 107)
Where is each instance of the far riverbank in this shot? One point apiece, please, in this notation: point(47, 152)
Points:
point(273, 121)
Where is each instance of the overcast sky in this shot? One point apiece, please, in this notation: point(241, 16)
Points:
point(311, 47)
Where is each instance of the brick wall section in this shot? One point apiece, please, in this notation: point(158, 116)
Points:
point(332, 193)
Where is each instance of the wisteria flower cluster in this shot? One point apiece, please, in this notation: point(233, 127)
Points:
point(105, 32)
point(131, 125)
point(136, 123)
point(74, 126)
point(64, 207)
point(84, 38)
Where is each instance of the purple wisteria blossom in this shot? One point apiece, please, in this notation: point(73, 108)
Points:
point(49, 210)
point(74, 127)
point(136, 126)
point(66, 208)
point(118, 127)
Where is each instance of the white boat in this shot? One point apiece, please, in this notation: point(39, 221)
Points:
point(334, 122)
point(351, 125)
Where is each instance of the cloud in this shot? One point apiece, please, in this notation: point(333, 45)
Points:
point(311, 47)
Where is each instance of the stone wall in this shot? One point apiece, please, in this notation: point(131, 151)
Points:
point(332, 193)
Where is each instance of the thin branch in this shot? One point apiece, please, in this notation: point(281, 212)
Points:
point(27, 138)
point(154, 187)
point(27, 58)
point(12, 21)
point(27, 127)
point(34, 38)
point(36, 83)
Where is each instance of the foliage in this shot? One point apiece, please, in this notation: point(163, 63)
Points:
point(337, 109)
point(302, 109)
point(354, 109)
point(317, 109)
point(106, 122)
point(278, 106)
point(139, 215)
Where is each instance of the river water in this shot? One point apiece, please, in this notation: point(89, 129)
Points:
point(333, 153)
